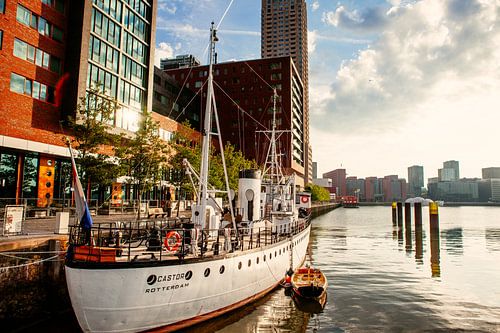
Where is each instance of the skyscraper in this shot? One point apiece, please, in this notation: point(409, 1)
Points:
point(415, 180)
point(284, 33)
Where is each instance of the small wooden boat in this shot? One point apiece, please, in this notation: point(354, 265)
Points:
point(309, 283)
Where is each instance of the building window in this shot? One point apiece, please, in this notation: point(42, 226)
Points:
point(37, 90)
point(40, 58)
point(56, 4)
point(275, 76)
point(44, 27)
point(2, 6)
point(1, 38)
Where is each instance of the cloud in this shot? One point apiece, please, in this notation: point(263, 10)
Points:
point(167, 6)
point(425, 91)
point(315, 6)
point(312, 36)
point(162, 51)
point(373, 18)
point(433, 53)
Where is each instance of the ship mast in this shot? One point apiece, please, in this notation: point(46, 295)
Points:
point(210, 107)
point(273, 173)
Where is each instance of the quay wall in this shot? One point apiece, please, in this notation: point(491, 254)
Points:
point(35, 288)
point(318, 209)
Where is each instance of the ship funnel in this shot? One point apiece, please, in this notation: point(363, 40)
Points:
point(249, 194)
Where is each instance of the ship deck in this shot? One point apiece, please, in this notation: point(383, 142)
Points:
point(154, 242)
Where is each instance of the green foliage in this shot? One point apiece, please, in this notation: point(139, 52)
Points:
point(318, 193)
point(92, 131)
point(144, 155)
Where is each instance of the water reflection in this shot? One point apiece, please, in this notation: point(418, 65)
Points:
point(492, 236)
point(419, 245)
point(435, 251)
point(453, 239)
point(275, 312)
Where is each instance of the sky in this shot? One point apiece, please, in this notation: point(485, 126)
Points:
point(392, 83)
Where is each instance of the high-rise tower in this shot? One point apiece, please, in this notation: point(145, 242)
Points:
point(284, 33)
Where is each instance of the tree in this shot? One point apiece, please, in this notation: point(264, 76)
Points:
point(144, 156)
point(318, 193)
point(93, 138)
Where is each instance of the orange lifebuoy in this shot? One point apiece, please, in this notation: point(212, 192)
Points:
point(304, 199)
point(172, 241)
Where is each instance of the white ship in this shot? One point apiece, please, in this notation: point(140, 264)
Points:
point(154, 276)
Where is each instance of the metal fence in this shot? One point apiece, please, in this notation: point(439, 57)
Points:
point(175, 239)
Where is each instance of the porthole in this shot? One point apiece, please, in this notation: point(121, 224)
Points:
point(207, 272)
point(239, 265)
point(249, 262)
point(221, 269)
point(188, 275)
point(257, 260)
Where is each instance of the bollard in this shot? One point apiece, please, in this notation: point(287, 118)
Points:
point(400, 214)
point(407, 215)
point(54, 265)
point(434, 216)
point(434, 229)
point(418, 215)
point(418, 233)
point(394, 216)
point(408, 226)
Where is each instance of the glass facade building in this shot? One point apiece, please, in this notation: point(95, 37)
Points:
point(117, 55)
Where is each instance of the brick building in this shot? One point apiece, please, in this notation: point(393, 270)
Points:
point(105, 41)
point(244, 91)
point(339, 181)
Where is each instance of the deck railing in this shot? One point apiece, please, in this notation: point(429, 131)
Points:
point(160, 240)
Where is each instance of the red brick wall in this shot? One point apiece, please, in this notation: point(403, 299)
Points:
point(22, 116)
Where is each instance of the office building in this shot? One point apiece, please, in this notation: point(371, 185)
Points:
point(180, 61)
point(489, 173)
point(315, 170)
point(284, 33)
point(339, 181)
point(394, 188)
point(356, 187)
point(105, 42)
point(464, 190)
point(415, 180)
point(245, 106)
point(109, 45)
point(452, 165)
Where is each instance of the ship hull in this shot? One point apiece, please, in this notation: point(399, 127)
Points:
point(170, 297)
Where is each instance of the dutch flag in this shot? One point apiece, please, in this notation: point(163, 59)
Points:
point(82, 209)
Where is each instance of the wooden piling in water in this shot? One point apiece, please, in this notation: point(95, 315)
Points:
point(400, 214)
point(434, 217)
point(434, 230)
point(418, 215)
point(407, 215)
point(394, 214)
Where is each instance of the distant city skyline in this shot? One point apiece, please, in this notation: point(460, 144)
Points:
point(392, 83)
